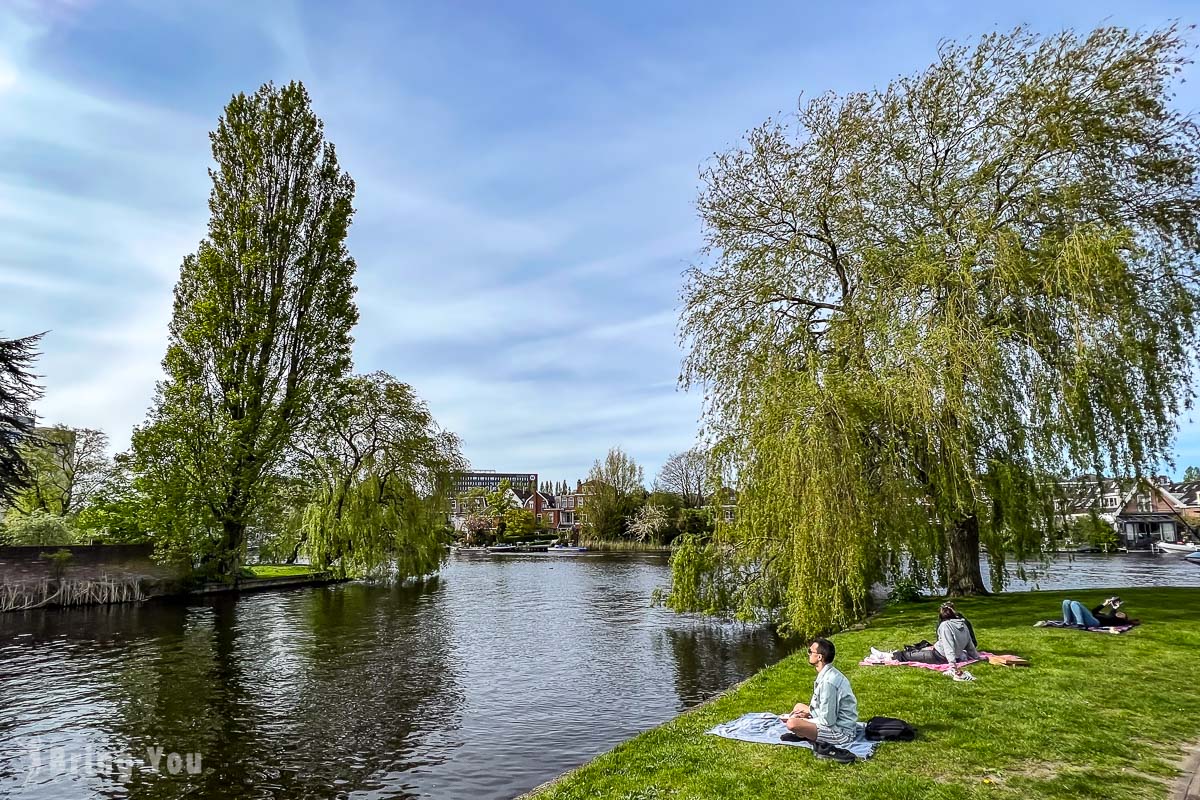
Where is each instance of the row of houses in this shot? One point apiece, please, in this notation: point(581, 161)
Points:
point(1141, 512)
point(561, 511)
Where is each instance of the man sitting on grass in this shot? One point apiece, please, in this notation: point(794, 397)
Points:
point(830, 720)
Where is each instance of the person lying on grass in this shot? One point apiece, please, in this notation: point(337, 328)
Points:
point(1107, 614)
point(832, 716)
point(955, 644)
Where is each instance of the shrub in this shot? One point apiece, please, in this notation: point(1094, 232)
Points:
point(38, 528)
point(906, 589)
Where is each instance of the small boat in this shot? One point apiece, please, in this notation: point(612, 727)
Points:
point(502, 548)
point(468, 551)
point(1177, 548)
point(562, 548)
point(1193, 557)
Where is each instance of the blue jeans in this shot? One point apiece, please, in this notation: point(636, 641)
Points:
point(1076, 613)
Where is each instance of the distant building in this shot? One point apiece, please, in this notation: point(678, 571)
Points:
point(1141, 513)
point(490, 480)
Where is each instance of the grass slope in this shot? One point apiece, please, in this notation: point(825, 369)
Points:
point(1095, 715)
point(280, 570)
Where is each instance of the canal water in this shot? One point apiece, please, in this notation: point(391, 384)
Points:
point(495, 677)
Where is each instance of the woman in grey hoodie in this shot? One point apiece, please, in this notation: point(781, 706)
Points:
point(955, 643)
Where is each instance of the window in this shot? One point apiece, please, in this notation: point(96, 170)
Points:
point(1143, 503)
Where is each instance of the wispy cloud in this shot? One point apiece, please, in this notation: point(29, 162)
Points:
point(526, 179)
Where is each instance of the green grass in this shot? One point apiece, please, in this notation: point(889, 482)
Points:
point(1094, 716)
point(279, 570)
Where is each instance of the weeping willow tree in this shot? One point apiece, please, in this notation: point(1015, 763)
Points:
point(381, 469)
point(921, 304)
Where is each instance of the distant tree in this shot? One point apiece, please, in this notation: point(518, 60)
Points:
point(519, 523)
point(18, 391)
point(648, 522)
point(1191, 474)
point(1090, 529)
point(614, 491)
point(924, 300)
point(261, 328)
point(685, 474)
point(39, 528)
point(117, 511)
point(67, 466)
point(383, 471)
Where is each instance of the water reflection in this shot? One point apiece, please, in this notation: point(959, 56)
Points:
point(474, 684)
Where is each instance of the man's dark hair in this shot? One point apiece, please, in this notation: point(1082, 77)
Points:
point(825, 648)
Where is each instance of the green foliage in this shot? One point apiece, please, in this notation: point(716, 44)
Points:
point(68, 466)
point(906, 589)
point(1090, 529)
point(931, 299)
point(261, 327)
point(614, 492)
point(384, 472)
point(116, 510)
point(38, 528)
point(18, 391)
point(1192, 474)
point(519, 524)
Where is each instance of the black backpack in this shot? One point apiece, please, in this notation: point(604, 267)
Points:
point(889, 728)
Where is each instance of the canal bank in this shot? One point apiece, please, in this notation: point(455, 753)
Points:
point(33, 577)
point(1095, 715)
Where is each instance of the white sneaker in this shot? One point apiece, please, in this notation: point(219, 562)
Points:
point(879, 655)
point(961, 675)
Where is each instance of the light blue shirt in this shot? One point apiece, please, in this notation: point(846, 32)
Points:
point(833, 702)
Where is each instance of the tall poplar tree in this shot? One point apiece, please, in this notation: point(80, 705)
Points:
point(262, 324)
point(924, 303)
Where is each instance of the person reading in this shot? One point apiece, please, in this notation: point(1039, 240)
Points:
point(1107, 614)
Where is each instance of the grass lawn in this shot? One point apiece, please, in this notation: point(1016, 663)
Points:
point(1096, 715)
point(279, 570)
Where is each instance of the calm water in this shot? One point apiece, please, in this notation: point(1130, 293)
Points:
point(499, 675)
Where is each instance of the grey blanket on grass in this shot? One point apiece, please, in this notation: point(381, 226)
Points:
point(766, 728)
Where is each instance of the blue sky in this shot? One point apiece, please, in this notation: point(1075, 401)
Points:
point(526, 180)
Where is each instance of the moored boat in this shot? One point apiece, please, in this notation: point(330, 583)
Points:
point(1193, 557)
point(1177, 547)
point(561, 548)
point(502, 548)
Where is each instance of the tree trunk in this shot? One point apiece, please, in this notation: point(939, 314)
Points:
point(291, 559)
point(230, 565)
point(963, 576)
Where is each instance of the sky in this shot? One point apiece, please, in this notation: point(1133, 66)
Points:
point(526, 182)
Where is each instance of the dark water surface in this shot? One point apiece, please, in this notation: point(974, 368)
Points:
point(497, 676)
point(502, 673)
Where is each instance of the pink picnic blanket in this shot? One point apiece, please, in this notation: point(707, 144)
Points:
point(866, 662)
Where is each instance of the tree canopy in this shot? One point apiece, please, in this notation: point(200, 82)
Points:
point(614, 489)
point(382, 469)
point(18, 390)
point(921, 302)
point(262, 321)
